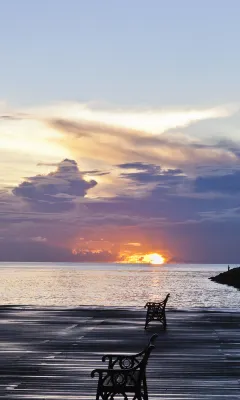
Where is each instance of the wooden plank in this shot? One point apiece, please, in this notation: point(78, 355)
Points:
point(49, 353)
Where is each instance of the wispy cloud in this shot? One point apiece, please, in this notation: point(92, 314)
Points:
point(100, 137)
point(143, 119)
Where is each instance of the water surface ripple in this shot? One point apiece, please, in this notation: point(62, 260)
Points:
point(114, 285)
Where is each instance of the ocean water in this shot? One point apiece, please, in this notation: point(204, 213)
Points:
point(63, 284)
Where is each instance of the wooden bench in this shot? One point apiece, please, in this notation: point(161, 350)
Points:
point(125, 375)
point(156, 312)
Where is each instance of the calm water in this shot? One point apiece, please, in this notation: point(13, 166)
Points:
point(114, 285)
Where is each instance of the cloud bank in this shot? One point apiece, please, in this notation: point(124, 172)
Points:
point(85, 183)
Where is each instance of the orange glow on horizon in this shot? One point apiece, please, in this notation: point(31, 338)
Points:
point(126, 255)
point(154, 258)
point(151, 258)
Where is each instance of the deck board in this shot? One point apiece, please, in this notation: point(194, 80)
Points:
point(49, 353)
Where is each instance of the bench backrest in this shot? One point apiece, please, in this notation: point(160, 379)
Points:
point(133, 361)
point(143, 363)
point(150, 343)
point(138, 372)
point(165, 300)
point(119, 380)
point(160, 305)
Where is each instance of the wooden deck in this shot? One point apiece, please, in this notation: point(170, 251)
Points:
point(49, 353)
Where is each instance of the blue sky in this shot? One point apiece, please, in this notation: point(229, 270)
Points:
point(119, 130)
point(134, 52)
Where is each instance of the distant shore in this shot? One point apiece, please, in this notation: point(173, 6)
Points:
point(230, 277)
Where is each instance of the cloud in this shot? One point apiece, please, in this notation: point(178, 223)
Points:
point(55, 191)
point(40, 251)
point(141, 166)
point(150, 173)
point(143, 119)
point(76, 128)
point(108, 145)
point(100, 137)
point(143, 181)
point(228, 183)
point(140, 137)
point(39, 239)
point(95, 172)
point(161, 221)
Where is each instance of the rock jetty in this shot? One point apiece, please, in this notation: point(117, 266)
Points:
point(230, 277)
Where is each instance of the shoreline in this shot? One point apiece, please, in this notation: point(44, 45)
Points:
point(87, 307)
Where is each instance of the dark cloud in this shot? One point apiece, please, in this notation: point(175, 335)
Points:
point(225, 184)
point(41, 251)
point(95, 172)
point(153, 168)
point(161, 206)
point(150, 173)
point(56, 191)
point(191, 224)
point(139, 166)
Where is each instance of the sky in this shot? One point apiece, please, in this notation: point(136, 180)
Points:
point(119, 130)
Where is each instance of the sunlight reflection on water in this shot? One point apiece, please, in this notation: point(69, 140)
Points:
point(114, 285)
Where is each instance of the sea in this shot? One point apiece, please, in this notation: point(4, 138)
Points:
point(114, 285)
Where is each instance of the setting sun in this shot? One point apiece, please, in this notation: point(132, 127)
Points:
point(154, 258)
point(151, 258)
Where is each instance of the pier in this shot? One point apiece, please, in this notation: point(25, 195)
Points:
point(49, 353)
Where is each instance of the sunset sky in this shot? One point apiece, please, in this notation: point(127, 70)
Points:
point(119, 130)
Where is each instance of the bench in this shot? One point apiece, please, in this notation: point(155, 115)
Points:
point(156, 312)
point(125, 375)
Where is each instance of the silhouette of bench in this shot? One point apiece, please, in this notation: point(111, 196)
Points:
point(156, 312)
point(125, 375)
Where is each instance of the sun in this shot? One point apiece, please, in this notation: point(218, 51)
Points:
point(141, 258)
point(154, 258)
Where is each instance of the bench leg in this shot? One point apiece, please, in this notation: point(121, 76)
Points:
point(164, 322)
point(145, 391)
point(147, 322)
point(102, 395)
point(106, 396)
point(138, 396)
